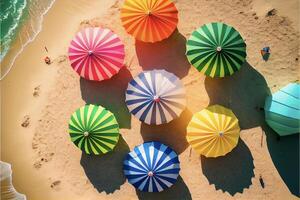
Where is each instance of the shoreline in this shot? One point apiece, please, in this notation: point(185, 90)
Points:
point(17, 46)
point(13, 28)
point(28, 72)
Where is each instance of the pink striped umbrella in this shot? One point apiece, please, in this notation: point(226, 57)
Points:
point(96, 53)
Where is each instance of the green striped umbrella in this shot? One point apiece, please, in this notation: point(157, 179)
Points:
point(94, 129)
point(216, 49)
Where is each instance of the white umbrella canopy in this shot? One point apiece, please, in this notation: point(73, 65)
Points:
point(155, 97)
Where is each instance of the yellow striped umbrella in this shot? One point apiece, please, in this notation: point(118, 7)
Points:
point(214, 131)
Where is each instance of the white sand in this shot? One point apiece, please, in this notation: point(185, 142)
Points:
point(42, 153)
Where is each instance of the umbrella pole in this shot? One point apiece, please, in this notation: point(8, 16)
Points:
point(261, 180)
point(190, 154)
point(262, 137)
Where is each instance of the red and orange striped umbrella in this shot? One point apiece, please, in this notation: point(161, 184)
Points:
point(96, 54)
point(149, 20)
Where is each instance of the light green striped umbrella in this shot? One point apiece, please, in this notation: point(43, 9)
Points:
point(94, 129)
point(216, 49)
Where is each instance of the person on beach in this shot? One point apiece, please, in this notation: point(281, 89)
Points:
point(47, 60)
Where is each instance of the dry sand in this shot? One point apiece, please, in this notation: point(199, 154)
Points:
point(46, 165)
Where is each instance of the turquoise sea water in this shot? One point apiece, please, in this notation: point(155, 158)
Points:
point(12, 14)
point(20, 22)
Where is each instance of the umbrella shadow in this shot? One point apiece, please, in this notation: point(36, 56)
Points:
point(285, 156)
point(245, 93)
point(105, 172)
point(172, 134)
point(168, 54)
point(231, 173)
point(109, 94)
point(179, 191)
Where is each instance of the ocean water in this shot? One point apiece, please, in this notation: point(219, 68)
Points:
point(11, 16)
point(20, 23)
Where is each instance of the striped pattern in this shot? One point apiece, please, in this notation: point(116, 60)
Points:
point(152, 167)
point(282, 110)
point(216, 49)
point(96, 54)
point(94, 129)
point(213, 131)
point(155, 97)
point(149, 20)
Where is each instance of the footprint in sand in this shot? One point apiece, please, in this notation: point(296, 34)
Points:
point(45, 158)
point(271, 12)
point(55, 184)
point(36, 91)
point(26, 121)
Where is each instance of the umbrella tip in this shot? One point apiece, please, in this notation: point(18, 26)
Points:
point(156, 98)
point(149, 12)
point(86, 134)
point(221, 134)
point(150, 173)
point(219, 49)
point(90, 52)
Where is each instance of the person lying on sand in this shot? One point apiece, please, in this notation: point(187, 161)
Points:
point(47, 60)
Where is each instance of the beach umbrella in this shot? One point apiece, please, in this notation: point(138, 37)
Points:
point(151, 167)
point(94, 129)
point(282, 110)
point(96, 53)
point(216, 49)
point(213, 131)
point(155, 97)
point(149, 20)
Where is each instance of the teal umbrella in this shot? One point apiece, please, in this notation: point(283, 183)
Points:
point(216, 49)
point(282, 110)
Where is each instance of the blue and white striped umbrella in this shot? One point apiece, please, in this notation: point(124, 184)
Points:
point(155, 97)
point(152, 167)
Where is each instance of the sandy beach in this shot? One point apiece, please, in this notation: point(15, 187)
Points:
point(38, 99)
